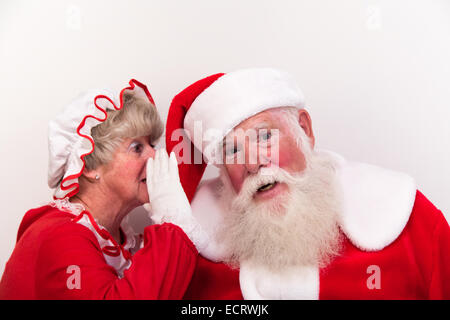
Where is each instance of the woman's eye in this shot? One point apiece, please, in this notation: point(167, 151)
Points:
point(137, 147)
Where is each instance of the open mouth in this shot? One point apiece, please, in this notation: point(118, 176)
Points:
point(144, 180)
point(267, 187)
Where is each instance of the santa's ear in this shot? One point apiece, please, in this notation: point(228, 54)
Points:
point(304, 119)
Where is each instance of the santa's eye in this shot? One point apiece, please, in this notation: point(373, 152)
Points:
point(264, 136)
point(232, 150)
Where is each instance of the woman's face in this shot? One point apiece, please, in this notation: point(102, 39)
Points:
point(125, 176)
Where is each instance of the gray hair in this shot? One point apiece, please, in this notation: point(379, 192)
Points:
point(137, 118)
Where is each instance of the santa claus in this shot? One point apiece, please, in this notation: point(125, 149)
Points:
point(288, 221)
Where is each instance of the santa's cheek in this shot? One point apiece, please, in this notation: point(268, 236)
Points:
point(284, 159)
point(236, 183)
point(235, 173)
point(291, 159)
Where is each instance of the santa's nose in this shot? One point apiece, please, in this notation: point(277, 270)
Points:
point(254, 161)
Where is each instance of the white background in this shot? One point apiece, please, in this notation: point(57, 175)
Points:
point(376, 75)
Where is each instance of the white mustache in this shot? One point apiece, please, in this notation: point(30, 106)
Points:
point(266, 175)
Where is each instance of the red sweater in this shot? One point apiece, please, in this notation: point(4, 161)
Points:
point(50, 243)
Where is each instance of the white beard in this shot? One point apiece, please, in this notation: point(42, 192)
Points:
point(299, 227)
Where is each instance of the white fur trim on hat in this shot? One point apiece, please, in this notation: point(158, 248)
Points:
point(235, 97)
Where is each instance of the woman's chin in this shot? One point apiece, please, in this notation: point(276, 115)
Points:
point(143, 200)
point(143, 194)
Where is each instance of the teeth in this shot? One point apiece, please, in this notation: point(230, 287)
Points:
point(267, 187)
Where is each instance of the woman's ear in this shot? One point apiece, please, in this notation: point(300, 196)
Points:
point(304, 120)
point(91, 175)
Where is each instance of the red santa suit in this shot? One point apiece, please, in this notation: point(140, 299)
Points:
point(61, 254)
point(395, 242)
point(395, 246)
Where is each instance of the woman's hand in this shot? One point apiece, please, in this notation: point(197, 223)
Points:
point(165, 192)
point(168, 202)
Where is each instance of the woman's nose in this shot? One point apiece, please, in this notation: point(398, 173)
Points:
point(151, 153)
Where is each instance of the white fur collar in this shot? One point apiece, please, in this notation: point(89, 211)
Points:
point(294, 283)
point(377, 204)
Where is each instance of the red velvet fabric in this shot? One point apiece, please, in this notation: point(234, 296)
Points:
point(190, 173)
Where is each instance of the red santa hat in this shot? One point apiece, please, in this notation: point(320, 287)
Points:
point(210, 108)
point(69, 135)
